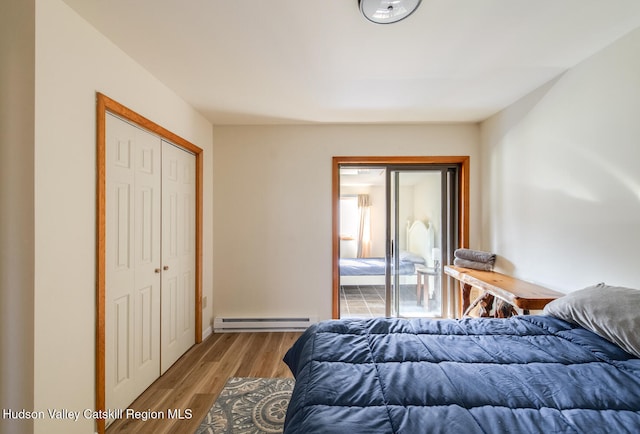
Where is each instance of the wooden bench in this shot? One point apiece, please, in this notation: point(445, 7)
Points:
point(520, 296)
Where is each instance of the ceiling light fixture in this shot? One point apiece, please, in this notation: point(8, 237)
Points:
point(387, 11)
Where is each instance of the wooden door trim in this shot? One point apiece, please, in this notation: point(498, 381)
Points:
point(105, 104)
point(463, 202)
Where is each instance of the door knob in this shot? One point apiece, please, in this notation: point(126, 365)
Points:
point(157, 270)
point(166, 267)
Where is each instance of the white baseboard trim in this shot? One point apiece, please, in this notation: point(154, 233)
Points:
point(207, 332)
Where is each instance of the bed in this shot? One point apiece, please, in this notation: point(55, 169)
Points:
point(371, 271)
point(575, 369)
point(377, 266)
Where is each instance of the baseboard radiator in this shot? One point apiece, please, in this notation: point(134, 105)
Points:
point(231, 324)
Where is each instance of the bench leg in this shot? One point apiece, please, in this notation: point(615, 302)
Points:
point(485, 301)
point(465, 291)
point(504, 310)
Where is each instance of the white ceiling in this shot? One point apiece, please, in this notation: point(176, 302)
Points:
point(320, 61)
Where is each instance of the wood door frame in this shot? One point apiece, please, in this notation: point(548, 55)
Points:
point(105, 104)
point(463, 202)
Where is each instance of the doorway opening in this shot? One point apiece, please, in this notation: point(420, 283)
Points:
point(396, 222)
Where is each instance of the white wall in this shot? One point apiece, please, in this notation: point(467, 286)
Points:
point(73, 61)
point(428, 205)
point(561, 185)
point(17, 57)
point(272, 253)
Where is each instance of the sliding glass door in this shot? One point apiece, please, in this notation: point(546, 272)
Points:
point(397, 226)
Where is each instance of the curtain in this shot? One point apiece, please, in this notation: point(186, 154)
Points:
point(364, 227)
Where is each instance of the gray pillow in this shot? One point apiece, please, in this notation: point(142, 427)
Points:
point(411, 257)
point(610, 311)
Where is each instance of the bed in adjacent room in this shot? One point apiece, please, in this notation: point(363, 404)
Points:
point(371, 271)
point(575, 369)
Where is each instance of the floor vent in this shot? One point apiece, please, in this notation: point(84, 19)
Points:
point(228, 324)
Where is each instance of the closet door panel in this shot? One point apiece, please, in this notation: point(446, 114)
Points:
point(132, 313)
point(120, 276)
point(178, 253)
point(147, 257)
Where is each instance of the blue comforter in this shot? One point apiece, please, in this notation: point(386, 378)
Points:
point(526, 374)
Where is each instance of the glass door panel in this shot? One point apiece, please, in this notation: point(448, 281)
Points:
point(416, 214)
point(362, 237)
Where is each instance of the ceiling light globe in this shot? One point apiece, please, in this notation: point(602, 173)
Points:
point(387, 11)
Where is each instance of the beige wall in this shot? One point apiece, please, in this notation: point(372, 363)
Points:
point(73, 62)
point(272, 221)
point(17, 57)
point(561, 185)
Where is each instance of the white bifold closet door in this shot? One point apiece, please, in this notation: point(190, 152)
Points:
point(150, 259)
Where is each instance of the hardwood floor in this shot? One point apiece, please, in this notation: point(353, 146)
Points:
point(195, 380)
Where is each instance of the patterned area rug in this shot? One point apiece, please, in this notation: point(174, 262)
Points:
point(249, 406)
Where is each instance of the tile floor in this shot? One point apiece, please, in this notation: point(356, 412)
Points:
point(362, 301)
point(369, 302)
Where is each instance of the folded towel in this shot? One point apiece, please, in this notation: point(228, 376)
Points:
point(484, 266)
point(475, 255)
